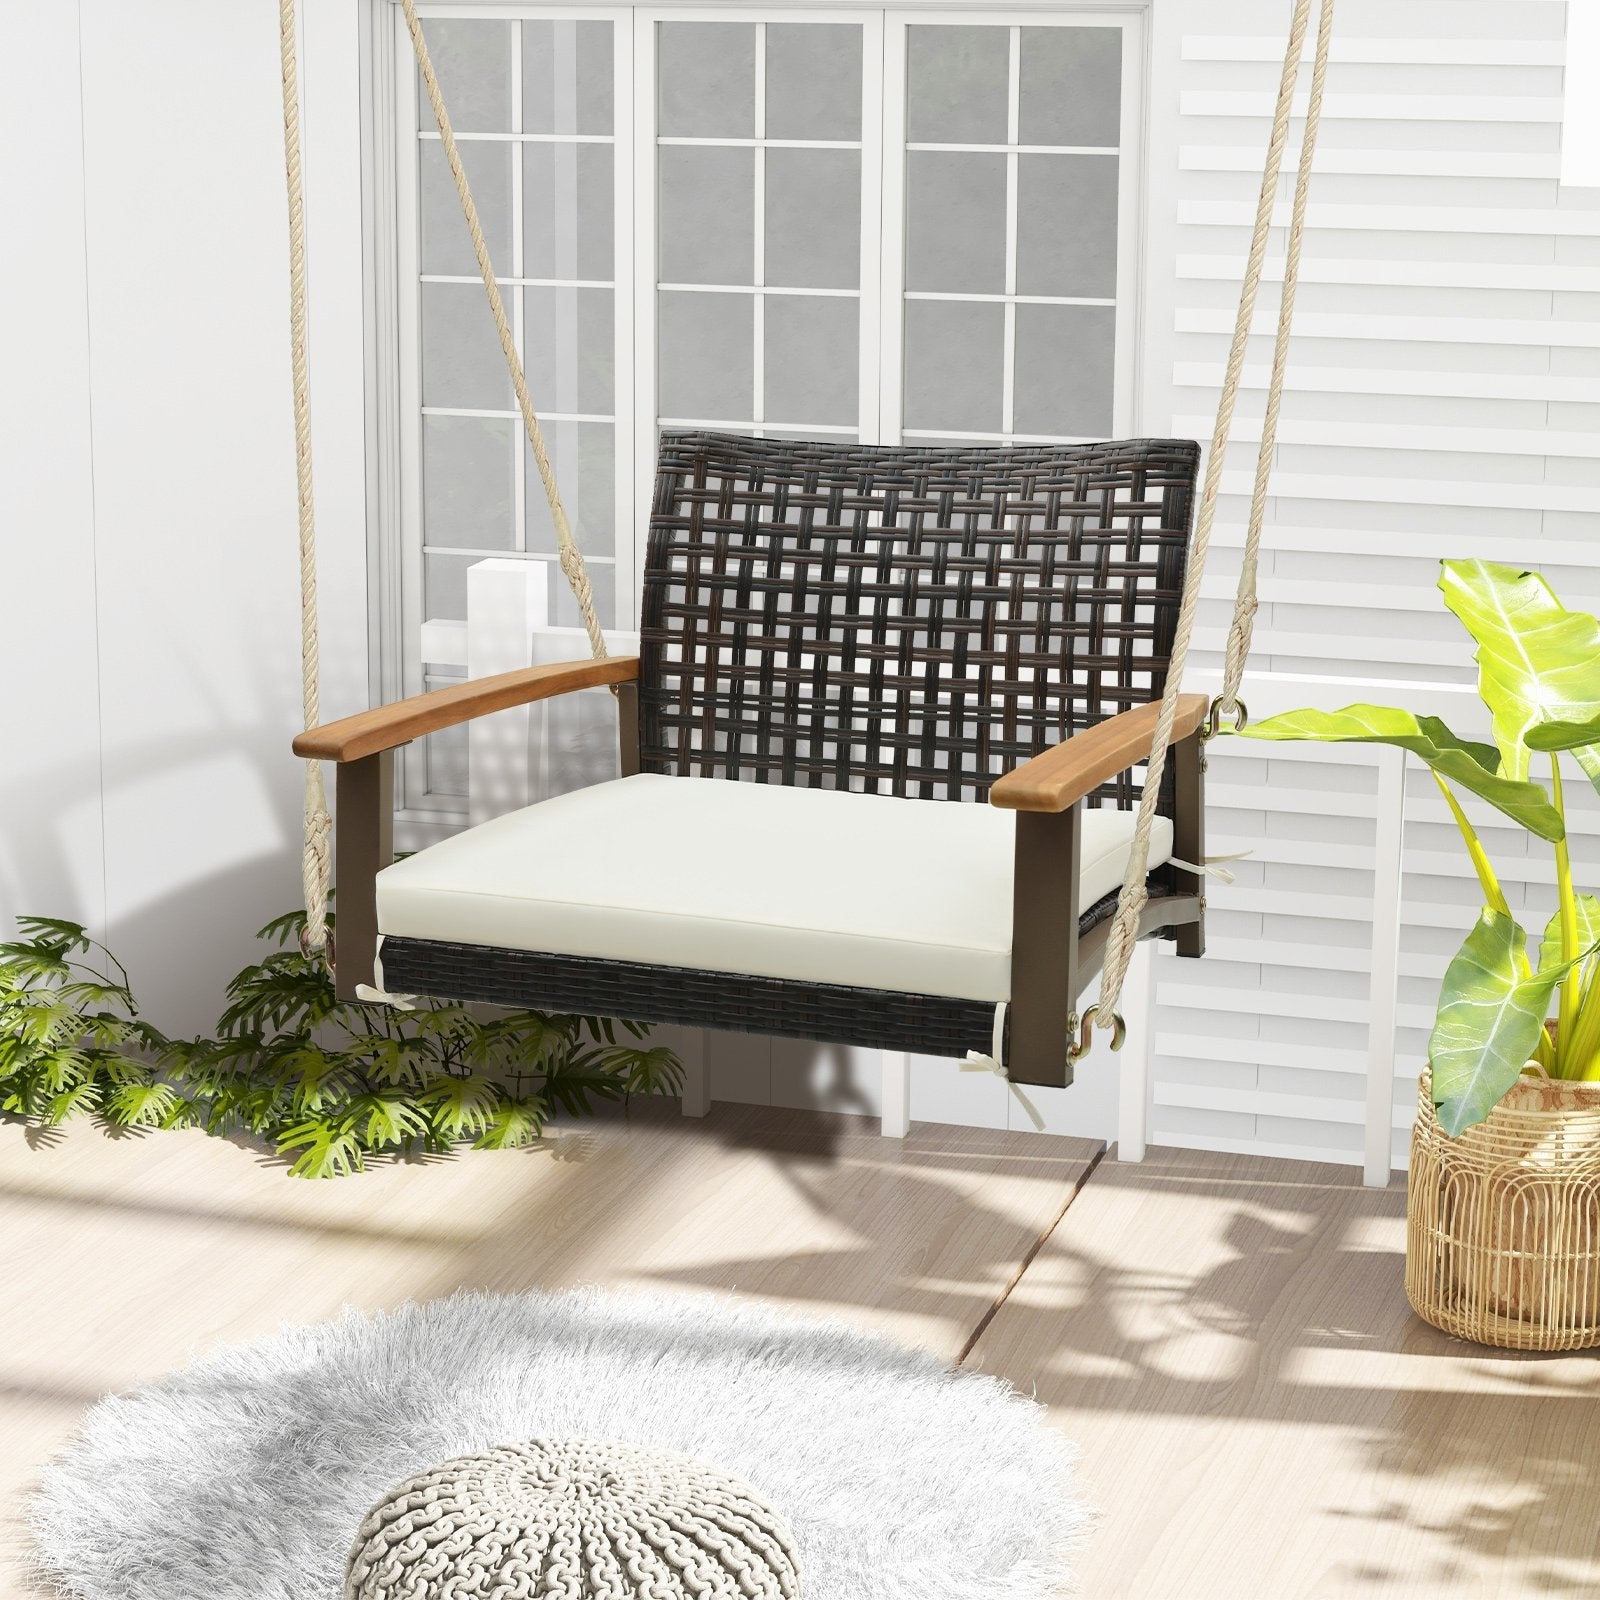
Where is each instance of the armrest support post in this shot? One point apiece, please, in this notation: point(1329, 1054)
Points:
point(628, 728)
point(363, 847)
point(1044, 945)
point(1189, 836)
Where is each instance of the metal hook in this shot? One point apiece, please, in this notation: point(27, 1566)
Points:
point(1085, 1029)
point(1213, 725)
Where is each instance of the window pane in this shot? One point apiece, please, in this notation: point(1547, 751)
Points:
point(446, 245)
point(1066, 359)
point(956, 84)
point(567, 77)
point(462, 364)
point(584, 457)
point(1071, 89)
point(954, 365)
point(812, 359)
point(1067, 225)
point(446, 752)
point(706, 73)
point(813, 222)
point(706, 345)
point(444, 587)
point(468, 497)
point(956, 223)
point(472, 60)
point(569, 344)
point(568, 211)
point(813, 81)
point(707, 214)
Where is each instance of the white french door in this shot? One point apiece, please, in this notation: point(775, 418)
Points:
point(854, 223)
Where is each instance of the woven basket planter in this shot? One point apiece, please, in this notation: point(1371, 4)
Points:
point(1503, 1228)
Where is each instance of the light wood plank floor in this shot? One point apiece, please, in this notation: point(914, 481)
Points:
point(119, 1258)
point(1260, 1415)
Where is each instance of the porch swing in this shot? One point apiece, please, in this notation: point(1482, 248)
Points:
point(879, 749)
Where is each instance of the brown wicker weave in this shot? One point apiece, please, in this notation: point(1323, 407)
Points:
point(904, 621)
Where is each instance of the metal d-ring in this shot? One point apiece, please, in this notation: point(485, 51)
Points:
point(1213, 724)
point(1085, 1026)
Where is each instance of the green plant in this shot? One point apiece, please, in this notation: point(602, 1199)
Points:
point(72, 1043)
point(1539, 677)
point(329, 1082)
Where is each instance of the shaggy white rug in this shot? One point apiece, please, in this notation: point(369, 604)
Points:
point(246, 1475)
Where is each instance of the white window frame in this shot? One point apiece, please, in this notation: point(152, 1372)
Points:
point(404, 636)
point(1130, 156)
point(412, 642)
point(870, 20)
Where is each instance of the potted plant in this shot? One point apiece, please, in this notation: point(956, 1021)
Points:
point(1503, 1243)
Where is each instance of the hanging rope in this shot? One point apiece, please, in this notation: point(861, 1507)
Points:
point(572, 563)
point(314, 865)
point(1134, 896)
point(1244, 612)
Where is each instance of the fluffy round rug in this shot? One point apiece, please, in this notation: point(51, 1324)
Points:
point(246, 1475)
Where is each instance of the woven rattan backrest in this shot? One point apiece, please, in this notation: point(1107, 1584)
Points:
point(900, 620)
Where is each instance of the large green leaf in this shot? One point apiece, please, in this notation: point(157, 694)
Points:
point(1558, 734)
point(1488, 1023)
point(1537, 661)
point(1471, 765)
point(1588, 930)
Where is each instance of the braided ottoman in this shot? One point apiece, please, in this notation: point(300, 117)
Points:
point(573, 1520)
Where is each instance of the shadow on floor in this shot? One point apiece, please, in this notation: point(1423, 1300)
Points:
point(1291, 1314)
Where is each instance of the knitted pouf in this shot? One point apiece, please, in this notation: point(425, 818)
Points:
point(575, 1519)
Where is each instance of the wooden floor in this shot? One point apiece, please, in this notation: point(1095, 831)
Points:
point(1259, 1414)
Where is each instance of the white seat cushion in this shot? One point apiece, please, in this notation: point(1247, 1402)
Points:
point(819, 885)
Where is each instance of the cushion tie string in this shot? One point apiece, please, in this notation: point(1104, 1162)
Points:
point(382, 997)
point(978, 1062)
point(1211, 867)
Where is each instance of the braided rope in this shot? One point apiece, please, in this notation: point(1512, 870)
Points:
point(315, 865)
point(1244, 612)
point(573, 1520)
point(572, 563)
point(1134, 896)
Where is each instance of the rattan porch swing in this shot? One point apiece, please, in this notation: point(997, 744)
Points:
point(834, 638)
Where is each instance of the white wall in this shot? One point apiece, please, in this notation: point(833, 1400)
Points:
point(150, 639)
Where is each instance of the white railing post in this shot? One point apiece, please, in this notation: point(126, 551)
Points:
point(506, 601)
point(1388, 862)
point(896, 1065)
point(1133, 1062)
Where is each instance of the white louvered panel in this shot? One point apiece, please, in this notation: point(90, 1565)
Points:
point(1381, 107)
point(1444, 400)
point(1379, 219)
point(1537, 277)
point(1388, 52)
point(1381, 163)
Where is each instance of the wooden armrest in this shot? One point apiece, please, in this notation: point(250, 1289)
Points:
point(1062, 775)
point(387, 727)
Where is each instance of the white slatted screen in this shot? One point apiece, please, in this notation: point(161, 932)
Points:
point(1444, 401)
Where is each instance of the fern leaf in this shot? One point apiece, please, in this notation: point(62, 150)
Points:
point(327, 1149)
point(463, 1108)
point(516, 1122)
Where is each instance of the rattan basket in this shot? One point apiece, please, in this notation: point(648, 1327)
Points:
point(1503, 1230)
